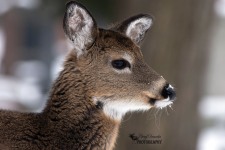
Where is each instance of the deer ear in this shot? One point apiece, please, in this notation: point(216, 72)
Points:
point(135, 27)
point(79, 26)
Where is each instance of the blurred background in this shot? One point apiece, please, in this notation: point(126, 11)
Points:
point(186, 45)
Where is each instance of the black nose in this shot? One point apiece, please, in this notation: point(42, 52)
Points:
point(168, 91)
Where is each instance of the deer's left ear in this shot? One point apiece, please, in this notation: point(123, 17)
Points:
point(135, 27)
point(79, 26)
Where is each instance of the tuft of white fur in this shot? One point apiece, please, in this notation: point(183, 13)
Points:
point(127, 57)
point(83, 35)
point(116, 109)
point(125, 70)
point(163, 103)
point(170, 86)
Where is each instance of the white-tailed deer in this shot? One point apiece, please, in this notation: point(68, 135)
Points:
point(104, 77)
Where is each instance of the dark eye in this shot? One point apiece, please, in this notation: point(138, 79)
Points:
point(120, 64)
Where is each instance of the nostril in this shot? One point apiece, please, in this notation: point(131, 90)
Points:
point(168, 91)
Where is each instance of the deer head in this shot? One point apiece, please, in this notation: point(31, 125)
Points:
point(111, 64)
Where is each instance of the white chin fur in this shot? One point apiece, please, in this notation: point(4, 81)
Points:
point(116, 109)
point(163, 103)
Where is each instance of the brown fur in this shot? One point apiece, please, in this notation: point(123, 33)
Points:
point(71, 120)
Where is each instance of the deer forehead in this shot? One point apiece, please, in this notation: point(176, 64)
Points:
point(115, 41)
point(116, 55)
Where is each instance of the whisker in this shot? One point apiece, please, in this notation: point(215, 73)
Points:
point(171, 107)
point(167, 111)
point(157, 119)
point(125, 120)
point(151, 114)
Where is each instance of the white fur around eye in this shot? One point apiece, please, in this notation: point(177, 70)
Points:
point(123, 71)
point(127, 57)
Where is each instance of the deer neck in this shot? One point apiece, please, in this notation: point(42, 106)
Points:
point(72, 111)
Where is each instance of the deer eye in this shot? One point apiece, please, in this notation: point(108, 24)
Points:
point(120, 64)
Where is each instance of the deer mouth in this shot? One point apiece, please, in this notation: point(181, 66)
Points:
point(152, 101)
point(168, 95)
point(161, 103)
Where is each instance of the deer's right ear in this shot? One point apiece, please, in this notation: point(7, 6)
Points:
point(79, 26)
point(135, 27)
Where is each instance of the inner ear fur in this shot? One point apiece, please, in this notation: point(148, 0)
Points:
point(79, 26)
point(135, 27)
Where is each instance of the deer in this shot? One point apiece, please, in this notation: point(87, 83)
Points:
point(104, 76)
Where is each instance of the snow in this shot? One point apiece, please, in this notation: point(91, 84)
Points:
point(212, 107)
point(212, 139)
point(6, 5)
point(219, 7)
point(13, 91)
point(212, 110)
